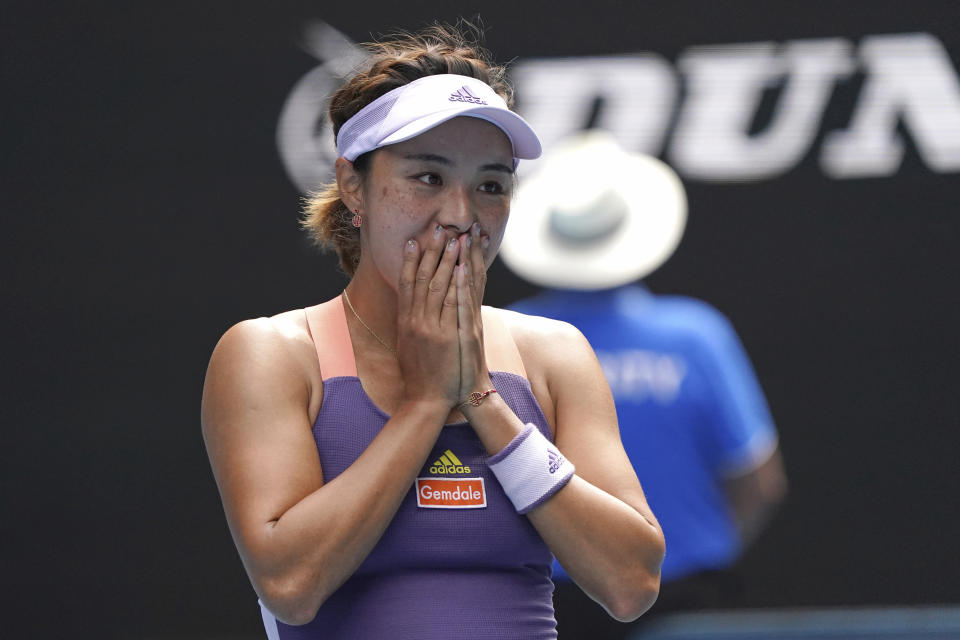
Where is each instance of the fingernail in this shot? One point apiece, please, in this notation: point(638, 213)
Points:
point(451, 244)
point(468, 241)
point(411, 246)
point(475, 229)
point(438, 232)
point(485, 243)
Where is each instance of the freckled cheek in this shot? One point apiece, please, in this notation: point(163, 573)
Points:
point(396, 213)
point(399, 205)
point(397, 218)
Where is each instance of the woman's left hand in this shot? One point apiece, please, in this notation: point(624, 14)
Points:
point(471, 280)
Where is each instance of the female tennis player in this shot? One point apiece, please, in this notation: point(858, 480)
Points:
point(401, 461)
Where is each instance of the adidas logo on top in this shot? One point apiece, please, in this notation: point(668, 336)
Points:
point(448, 463)
point(463, 95)
point(555, 458)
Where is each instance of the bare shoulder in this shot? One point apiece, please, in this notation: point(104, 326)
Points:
point(545, 341)
point(559, 361)
point(271, 343)
point(268, 357)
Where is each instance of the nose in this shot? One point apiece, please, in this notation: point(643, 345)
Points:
point(456, 212)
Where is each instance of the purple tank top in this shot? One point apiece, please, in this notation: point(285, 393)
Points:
point(438, 572)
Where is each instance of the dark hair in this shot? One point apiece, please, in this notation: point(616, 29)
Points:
point(395, 61)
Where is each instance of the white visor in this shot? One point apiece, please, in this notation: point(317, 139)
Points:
point(408, 111)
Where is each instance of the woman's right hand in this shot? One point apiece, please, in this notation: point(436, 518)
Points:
point(427, 341)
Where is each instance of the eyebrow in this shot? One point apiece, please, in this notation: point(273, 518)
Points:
point(432, 157)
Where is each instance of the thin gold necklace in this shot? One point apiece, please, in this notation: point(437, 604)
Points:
point(365, 325)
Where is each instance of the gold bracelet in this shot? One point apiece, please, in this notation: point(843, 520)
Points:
point(476, 398)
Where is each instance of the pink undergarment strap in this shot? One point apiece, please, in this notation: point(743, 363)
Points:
point(331, 339)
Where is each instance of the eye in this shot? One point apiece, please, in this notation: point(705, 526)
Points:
point(429, 178)
point(493, 187)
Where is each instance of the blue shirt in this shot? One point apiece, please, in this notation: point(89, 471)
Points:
point(690, 409)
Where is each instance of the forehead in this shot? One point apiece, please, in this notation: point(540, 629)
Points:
point(463, 137)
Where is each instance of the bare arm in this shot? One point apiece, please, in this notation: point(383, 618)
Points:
point(599, 526)
point(300, 538)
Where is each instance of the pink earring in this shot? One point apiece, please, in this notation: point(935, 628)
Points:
point(357, 218)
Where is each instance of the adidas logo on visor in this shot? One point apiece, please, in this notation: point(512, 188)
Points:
point(463, 95)
point(448, 463)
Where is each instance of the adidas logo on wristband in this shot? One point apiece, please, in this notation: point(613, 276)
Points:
point(519, 468)
point(555, 458)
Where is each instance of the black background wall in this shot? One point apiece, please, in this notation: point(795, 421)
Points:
point(145, 209)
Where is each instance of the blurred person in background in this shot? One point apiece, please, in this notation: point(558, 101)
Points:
point(400, 461)
point(587, 226)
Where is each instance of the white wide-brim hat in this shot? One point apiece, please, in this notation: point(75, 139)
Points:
point(594, 216)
